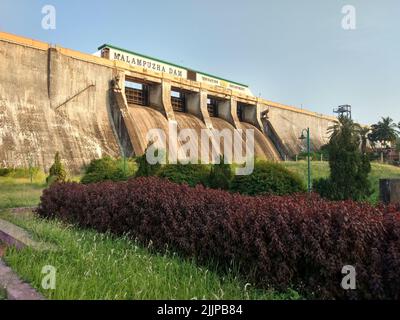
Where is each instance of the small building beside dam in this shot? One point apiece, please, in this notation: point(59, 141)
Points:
point(86, 106)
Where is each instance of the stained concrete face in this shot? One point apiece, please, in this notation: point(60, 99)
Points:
point(160, 99)
point(123, 125)
point(196, 104)
point(288, 125)
point(227, 110)
point(50, 102)
point(251, 114)
point(141, 119)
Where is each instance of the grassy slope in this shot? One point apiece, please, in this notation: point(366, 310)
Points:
point(321, 170)
point(96, 266)
point(19, 192)
point(380, 171)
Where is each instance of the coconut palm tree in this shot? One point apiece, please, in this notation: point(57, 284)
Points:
point(344, 124)
point(358, 131)
point(364, 132)
point(384, 132)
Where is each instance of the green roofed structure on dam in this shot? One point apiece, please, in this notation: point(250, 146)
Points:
point(155, 64)
point(87, 106)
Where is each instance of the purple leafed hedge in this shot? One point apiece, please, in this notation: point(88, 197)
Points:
point(278, 242)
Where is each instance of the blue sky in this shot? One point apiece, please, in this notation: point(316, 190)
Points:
point(293, 52)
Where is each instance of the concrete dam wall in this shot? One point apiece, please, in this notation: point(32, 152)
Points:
point(36, 116)
point(288, 123)
point(55, 99)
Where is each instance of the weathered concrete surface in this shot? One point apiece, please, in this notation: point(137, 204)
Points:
point(160, 99)
point(143, 120)
point(289, 123)
point(263, 146)
point(124, 125)
point(15, 236)
point(196, 104)
point(251, 114)
point(51, 102)
point(56, 99)
point(15, 288)
point(146, 118)
point(227, 111)
point(273, 136)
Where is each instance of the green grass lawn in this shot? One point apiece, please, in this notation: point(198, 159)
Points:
point(321, 170)
point(19, 192)
point(381, 171)
point(2, 294)
point(98, 266)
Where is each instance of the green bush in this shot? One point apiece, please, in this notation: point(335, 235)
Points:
point(20, 172)
point(268, 178)
point(108, 168)
point(145, 169)
point(57, 171)
point(349, 167)
point(220, 176)
point(324, 187)
point(4, 172)
point(52, 179)
point(190, 174)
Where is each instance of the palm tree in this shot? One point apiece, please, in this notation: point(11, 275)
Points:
point(363, 132)
point(384, 132)
point(344, 124)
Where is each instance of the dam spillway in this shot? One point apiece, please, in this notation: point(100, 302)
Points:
point(147, 118)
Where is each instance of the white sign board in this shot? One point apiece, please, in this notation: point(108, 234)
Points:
point(147, 63)
point(173, 70)
point(223, 83)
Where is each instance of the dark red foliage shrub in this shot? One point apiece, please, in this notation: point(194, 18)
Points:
point(282, 242)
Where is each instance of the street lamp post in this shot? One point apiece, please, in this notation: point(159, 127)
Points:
point(124, 168)
point(303, 137)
